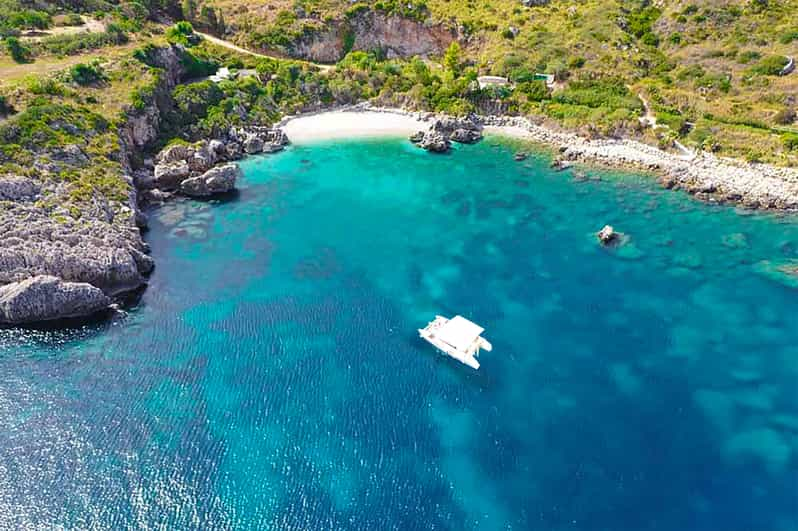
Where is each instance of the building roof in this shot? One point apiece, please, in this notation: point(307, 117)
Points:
point(459, 332)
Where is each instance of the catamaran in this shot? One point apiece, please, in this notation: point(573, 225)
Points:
point(456, 337)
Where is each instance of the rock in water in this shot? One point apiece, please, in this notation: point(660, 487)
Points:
point(44, 298)
point(217, 180)
point(466, 136)
point(607, 235)
point(520, 156)
point(435, 142)
point(560, 165)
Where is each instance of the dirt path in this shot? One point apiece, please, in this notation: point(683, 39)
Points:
point(649, 119)
point(230, 46)
point(90, 25)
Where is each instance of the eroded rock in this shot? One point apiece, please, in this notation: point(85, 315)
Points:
point(217, 180)
point(44, 298)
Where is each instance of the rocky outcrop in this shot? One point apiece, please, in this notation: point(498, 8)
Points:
point(16, 188)
point(431, 141)
point(188, 168)
point(444, 130)
point(607, 235)
point(396, 36)
point(705, 175)
point(218, 180)
point(44, 298)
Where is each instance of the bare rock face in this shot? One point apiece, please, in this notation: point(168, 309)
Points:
point(397, 36)
point(16, 188)
point(253, 144)
point(465, 136)
point(435, 142)
point(169, 175)
point(217, 180)
point(43, 298)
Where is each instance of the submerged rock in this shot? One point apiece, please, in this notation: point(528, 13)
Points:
point(560, 164)
point(44, 298)
point(763, 445)
point(217, 180)
point(520, 156)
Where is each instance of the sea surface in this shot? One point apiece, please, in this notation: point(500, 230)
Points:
point(271, 376)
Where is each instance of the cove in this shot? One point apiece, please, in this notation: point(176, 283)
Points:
point(271, 376)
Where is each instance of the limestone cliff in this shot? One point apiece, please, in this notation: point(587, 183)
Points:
point(395, 36)
point(66, 248)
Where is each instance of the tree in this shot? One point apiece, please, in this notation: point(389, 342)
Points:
point(18, 51)
point(451, 59)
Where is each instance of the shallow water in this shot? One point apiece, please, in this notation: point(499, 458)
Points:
point(271, 376)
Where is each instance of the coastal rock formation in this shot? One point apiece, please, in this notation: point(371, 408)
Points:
point(169, 175)
point(396, 36)
point(189, 168)
point(217, 180)
point(445, 129)
point(43, 298)
point(433, 141)
point(705, 175)
point(608, 236)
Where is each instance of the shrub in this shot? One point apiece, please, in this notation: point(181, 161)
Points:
point(748, 56)
point(5, 107)
point(535, 90)
point(196, 66)
point(508, 34)
point(18, 51)
point(30, 19)
point(675, 38)
point(182, 33)
point(44, 85)
point(84, 74)
point(356, 9)
point(70, 19)
point(790, 140)
point(650, 39)
point(77, 43)
point(769, 66)
point(787, 38)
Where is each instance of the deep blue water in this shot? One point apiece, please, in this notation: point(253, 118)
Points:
point(271, 376)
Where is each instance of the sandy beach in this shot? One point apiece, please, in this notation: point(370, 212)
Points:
point(349, 124)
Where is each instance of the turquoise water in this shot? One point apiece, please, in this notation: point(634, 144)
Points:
point(271, 377)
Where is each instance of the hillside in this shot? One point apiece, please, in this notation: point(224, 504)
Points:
point(708, 71)
point(708, 68)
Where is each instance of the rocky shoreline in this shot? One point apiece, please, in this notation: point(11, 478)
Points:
point(704, 175)
point(54, 269)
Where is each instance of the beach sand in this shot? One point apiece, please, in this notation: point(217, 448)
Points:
point(350, 124)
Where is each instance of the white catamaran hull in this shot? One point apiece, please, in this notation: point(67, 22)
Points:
point(457, 338)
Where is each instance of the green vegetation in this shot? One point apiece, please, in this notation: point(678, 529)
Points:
point(182, 33)
point(84, 74)
point(61, 45)
point(18, 51)
point(769, 66)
